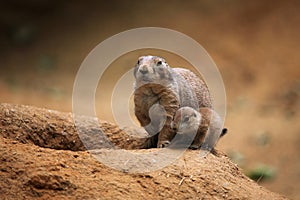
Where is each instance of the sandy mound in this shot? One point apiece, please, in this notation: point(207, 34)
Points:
point(42, 157)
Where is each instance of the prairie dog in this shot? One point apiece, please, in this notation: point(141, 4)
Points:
point(205, 125)
point(157, 83)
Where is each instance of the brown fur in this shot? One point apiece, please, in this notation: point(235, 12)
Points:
point(206, 123)
point(172, 88)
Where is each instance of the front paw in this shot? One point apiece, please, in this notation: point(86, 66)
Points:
point(163, 144)
point(194, 146)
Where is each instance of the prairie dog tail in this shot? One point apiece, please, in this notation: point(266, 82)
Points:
point(224, 132)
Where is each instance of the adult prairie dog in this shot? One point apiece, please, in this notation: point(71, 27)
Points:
point(205, 126)
point(156, 83)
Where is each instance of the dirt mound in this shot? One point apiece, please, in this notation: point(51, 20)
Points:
point(56, 130)
point(28, 170)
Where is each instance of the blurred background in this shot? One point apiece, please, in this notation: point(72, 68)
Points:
point(255, 44)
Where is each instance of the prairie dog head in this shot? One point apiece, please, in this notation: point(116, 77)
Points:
point(152, 69)
point(186, 120)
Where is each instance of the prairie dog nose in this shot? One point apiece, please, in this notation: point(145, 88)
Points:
point(174, 126)
point(143, 69)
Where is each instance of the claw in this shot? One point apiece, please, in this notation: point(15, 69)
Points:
point(194, 146)
point(163, 144)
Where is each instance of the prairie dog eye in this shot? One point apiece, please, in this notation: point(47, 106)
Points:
point(138, 62)
point(194, 115)
point(159, 63)
point(186, 119)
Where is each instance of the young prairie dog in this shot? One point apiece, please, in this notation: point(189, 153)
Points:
point(205, 126)
point(156, 83)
